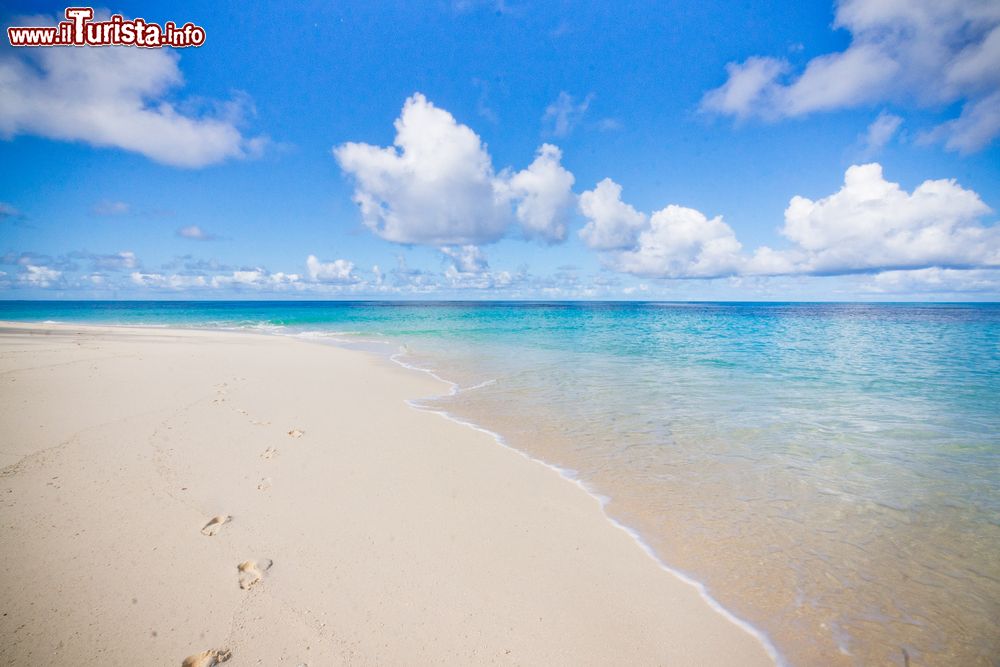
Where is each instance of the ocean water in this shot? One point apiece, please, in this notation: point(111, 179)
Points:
point(830, 472)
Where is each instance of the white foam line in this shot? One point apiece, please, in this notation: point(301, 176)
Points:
point(452, 386)
point(602, 501)
point(484, 383)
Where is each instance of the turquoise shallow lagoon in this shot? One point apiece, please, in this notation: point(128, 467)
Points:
point(830, 471)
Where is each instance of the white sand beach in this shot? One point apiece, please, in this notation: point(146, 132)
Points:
point(166, 492)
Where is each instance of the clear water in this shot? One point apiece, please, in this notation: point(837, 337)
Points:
point(830, 471)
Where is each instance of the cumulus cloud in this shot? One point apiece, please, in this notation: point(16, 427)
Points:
point(935, 280)
point(122, 271)
point(466, 259)
point(256, 279)
point(437, 186)
point(337, 271)
point(682, 243)
point(544, 195)
point(924, 52)
point(674, 242)
point(565, 113)
point(873, 224)
point(115, 97)
point(39, 276)
point(612, 224)
point(171, 281)
point(870, 225)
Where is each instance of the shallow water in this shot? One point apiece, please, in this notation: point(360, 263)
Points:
point(830, 471)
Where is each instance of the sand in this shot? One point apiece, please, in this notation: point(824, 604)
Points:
point(194, 497)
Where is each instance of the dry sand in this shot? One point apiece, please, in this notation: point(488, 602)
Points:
point(171, 496)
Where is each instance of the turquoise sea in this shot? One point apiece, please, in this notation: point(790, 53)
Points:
point(830, 472)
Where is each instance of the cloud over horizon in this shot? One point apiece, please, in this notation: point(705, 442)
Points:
point(340, 271)
point(869, 225)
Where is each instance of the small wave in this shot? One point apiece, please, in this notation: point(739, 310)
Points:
point(395, 358)
point(264, 326)
point(572, 477)
point(327, 334)
point(481, 385)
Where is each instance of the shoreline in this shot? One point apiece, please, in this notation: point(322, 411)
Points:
point(566, 474)
point(602, 501)
point(751, 646)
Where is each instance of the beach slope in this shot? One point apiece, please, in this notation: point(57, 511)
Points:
point(164, 493)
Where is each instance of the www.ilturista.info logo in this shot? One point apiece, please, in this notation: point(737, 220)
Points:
point(79, 29)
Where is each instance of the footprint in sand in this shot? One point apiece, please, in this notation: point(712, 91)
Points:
point(251, 572)
point(207, 658)
point(264, 484)
point(296, 433)
point(269, 453)
point(215, 524)
point(260, 423)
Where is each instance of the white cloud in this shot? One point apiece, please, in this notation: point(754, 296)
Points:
point(612, 224)
point(488, 280)
point(195, 233)
point(868, 226)
point(978, 123)
point(545, 195)
point(873, 224)
point(257, 278)
point(337, 271)
point(39, 276)
point(881, 132)
point(466, 259)
point(926, 52)
point(935, 280)
point(114, 97)
point(564, 114)
point(675, 242)
point(469, 270)
point(172, 281)
point(681, 242)
point(748, 89)
point(437, 186)
point(116, 262)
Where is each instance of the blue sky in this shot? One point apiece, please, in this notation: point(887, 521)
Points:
point(217, 172)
